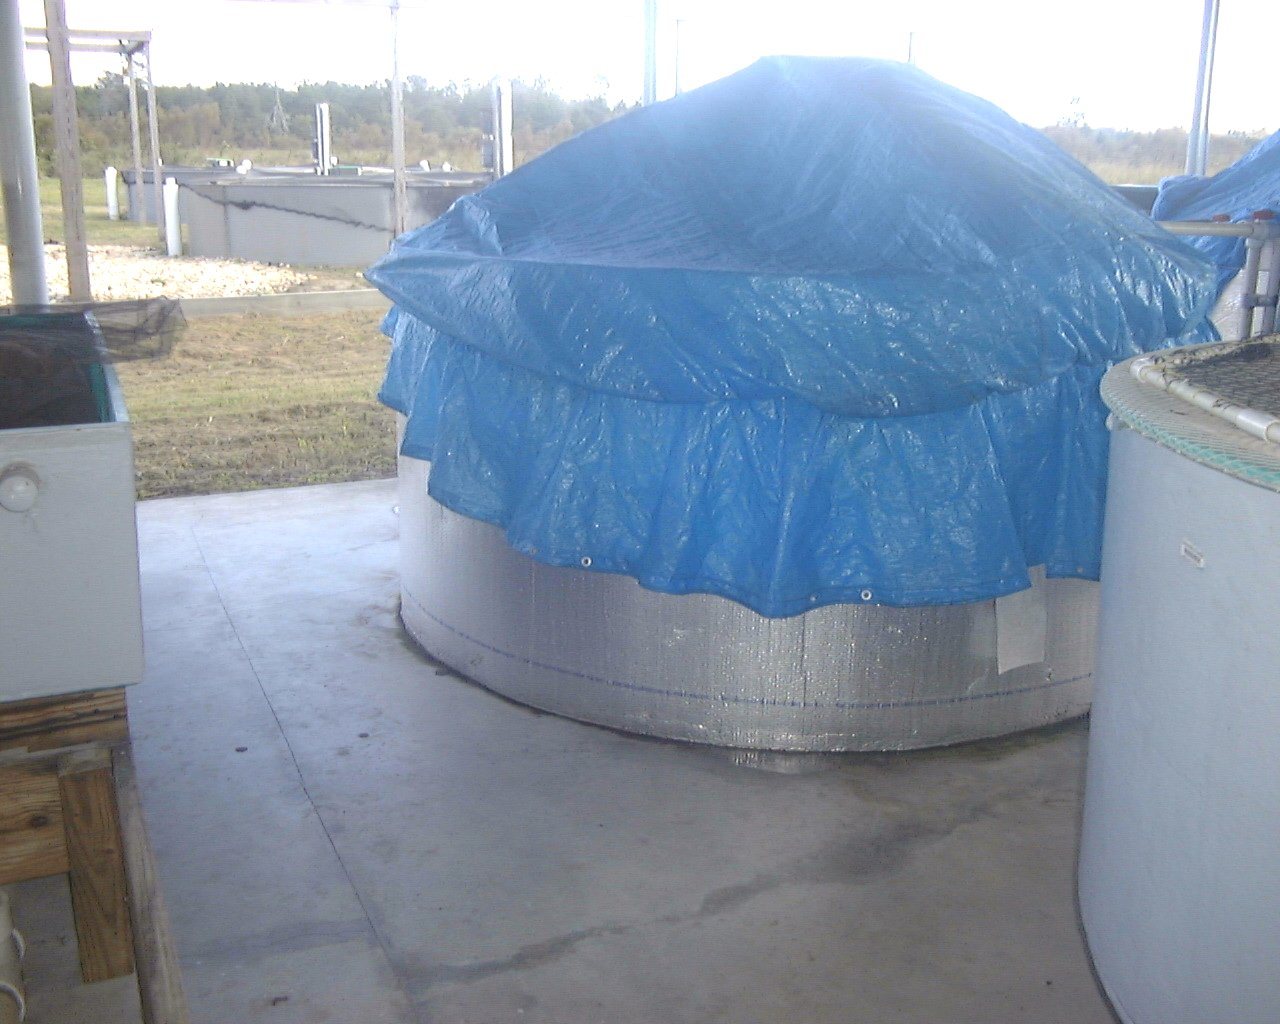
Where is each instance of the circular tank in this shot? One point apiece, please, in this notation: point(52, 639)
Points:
point(1179, 864)
point(600, 648)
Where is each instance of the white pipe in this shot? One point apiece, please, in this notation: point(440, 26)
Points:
point(1269, 298)
point(324, 140)
point(172, 226)
point(1259, 424)
point(503, 149)
point(1249, 284)
point(18, 178)
point(13, 1003)
point(1227, 229)
point(111, 176)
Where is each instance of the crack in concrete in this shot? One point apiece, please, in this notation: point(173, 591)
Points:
point(851, 863)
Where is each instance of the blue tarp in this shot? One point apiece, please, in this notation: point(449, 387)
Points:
point(825, 330)
point(1250, 184)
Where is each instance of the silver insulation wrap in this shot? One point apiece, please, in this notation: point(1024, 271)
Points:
point(602, 649)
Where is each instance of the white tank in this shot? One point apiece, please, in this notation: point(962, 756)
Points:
point(600, 648)
point(1180, 851)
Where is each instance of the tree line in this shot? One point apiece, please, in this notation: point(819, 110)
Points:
point(268, 124)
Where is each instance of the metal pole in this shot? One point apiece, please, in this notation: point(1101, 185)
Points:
point(324, 140)
point(1198, 136)
point(679, 22)
point(18, 175)
point(650, 51)
point(503, 150)
point(67, 132)
point(135, 136)
point(153, 125)
point(400, 195)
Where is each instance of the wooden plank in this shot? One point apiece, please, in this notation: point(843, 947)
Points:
point(99, 891)
point(31, 842)
point(153, 130)
point(49, 723)
point(159, 978)
point(66, 130)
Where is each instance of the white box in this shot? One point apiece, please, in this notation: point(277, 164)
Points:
point(70, 608)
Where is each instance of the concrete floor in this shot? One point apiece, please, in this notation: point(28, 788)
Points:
point(348, 832)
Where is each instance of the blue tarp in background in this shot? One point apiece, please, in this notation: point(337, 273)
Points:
point(826, 330)
point(1251, 183)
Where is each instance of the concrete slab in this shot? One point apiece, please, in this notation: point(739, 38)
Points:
point(396, 844)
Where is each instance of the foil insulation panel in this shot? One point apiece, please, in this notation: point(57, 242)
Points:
point(600, 648)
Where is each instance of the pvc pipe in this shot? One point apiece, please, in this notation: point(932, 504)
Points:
point(324, 144)
point(1249, 283)
point(13, 1003)
point(18, 178)
point(1261, 425)
point(172, 226)
point(1270, 298)
point(1225, 229)
point(112, 176)
point(503, 150)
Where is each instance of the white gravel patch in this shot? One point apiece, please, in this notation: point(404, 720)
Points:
point(130, 272)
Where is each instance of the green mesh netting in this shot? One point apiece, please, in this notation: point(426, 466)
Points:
point(1235, 374)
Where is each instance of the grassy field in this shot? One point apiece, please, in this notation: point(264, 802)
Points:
point(245, 402)
point(98, 228)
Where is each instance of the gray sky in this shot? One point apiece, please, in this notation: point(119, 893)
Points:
point(1118, 63)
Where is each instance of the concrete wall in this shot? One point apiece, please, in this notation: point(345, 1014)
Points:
point(334, 221)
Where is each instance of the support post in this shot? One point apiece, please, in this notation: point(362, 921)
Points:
point(155, 955)
point(18, 176)
point(135, 137)
point(650, 52)
point(1198, 136)
point(99, 889)
point(67, 133)
point(324, 140)
point(400, 193)
point(154, 127)
point(504, 157)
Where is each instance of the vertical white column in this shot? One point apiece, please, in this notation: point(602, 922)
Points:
point(172, 224)
point(18, 177)
point(650, 51)
point(504, 155)
point(111, 178)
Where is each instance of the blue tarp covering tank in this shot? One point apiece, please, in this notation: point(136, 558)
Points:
point(1250, 184)
point(826, 330)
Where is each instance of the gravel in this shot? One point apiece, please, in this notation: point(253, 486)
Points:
point(131, 272)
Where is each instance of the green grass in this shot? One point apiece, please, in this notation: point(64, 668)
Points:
point(253, 401)
point(98, 229)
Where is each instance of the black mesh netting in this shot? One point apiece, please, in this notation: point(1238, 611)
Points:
point(1247, 374)
point(51, 357)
